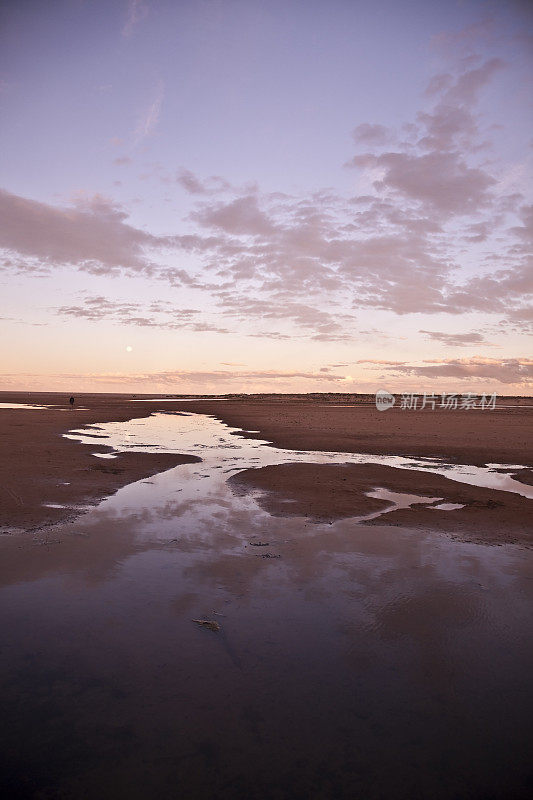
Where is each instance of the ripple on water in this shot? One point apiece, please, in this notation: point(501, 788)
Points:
point(353, 661)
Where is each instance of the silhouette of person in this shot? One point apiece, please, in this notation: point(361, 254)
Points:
point(71, 401)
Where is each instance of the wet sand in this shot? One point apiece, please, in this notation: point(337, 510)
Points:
point(329, 492)
point(352, 658)
point(39, 468)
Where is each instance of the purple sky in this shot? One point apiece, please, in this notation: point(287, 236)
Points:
point(266, 196)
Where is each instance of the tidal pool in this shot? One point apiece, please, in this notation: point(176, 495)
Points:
point(21, 405)
point(220, 446)
point(351, 661)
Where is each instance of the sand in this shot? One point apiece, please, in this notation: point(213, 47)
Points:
point(40, 468)
point(379, 659)
point(332, 492)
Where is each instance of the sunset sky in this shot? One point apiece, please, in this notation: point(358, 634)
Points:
point(232, 195)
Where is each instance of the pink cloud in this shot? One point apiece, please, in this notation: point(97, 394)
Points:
point(93, 234)
point(241, 216)
point(373, 135)
point(300, 260)
point(149, 118)
point(456, 339)
point(164, 316)
point(194, 185)
point(508, 371)
point(137, 11)
point(440, 178)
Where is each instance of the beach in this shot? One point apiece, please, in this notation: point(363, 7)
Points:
point(266, 401)
point(41, 467)
point(264, 598)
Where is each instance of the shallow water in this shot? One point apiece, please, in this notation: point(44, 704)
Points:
point(173, 399)
point(352, 661)
point(41, 408)
point(21, 405)
point(219, 447)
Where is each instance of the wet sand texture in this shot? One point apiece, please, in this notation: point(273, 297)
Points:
point(182, 640)
point(330, 492)
point(37, 462)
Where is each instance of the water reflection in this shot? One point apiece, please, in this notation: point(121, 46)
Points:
point(210, 439)
point(21, 405)
point(353, 661)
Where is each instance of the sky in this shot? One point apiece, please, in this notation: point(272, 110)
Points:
point(219, 196)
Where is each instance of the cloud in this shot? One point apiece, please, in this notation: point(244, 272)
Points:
point(517, 371)
point(163, 316)
point(466, 40)
point(92, 234)
point(275, 335)
point(150, 117)
point(122, 161)
point(452, 125)
point(302, 247)
point(433, 168)
point(239, 376)
point(241, 216)
point(137, 11)
point(431, 231)
point(319, 324)
point(379, 362)
point(456, 339)
point(465, 89)
point(373, 135)
point(398, 248)
point(441, 179)
point(390, 256)
point(186, 381)
point(194, 185)
point(505, 291)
